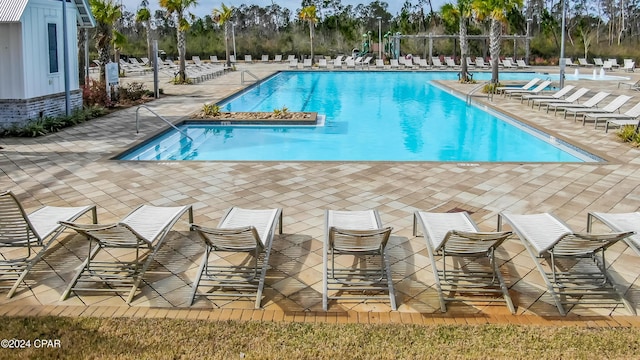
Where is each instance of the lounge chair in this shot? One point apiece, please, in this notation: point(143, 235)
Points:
point(322, 63)
point(507, 64)
point(248, 59)
point(351, 63)
point(436, 63)
point(470, 62)
point(394, 64)
point(527, 86)
point(619, 222)
point(356, 234)
point(143, 231)
point(555, 96)
point(379, 64)
point(451, 63)
point(277, 58)
point(293, 63)
point(568, 62)
point(536, 90)
point(629, 66)
point(611, 107)
point(607, 65)
point(480, 63)
point(337, 62)
point(306, 63)
point(547, 238)
point(33, 233)
point(568, 100)
point(423, 64)
point(240, 230)
point(597, 62)
point(522, 65)
point(584, 62)
point(631, 114)
point(591, 103)
point(457, 235)
point(614, 63)
point(366, 62)
point(631, 85)
point(264, 59)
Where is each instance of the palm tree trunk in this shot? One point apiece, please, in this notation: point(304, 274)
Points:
point(226, 43)
point(181, 55)
point(311, 37)
point(463, 50)
point(494, 48)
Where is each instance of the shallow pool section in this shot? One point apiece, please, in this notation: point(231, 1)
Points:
point(369, 116)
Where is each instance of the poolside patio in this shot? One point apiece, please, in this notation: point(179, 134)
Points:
point(73, 167)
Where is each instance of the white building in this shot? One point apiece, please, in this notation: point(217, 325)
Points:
point(32, 78)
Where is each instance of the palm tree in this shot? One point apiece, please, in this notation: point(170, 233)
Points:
point(105, 12)
point(223, 16)
point(460, 13)
point(308, 14)
point(144, 16)
point(496, 11)
point(178, 7)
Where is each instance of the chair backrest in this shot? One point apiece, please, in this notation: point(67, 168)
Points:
point(567, 61)
point(214, 59)
point(408, 62)
point(196, 60)
point(265, 58)
point(583, 61)
point(450, 62)
point(614, 61)
point(530, 84)
point(359, 240)
point(634, 112)
point(521, 63)
point(598, 61)
point(322, 62)
point(351, 63)
point(232, 58)
point(607, 65)
point(595, 99)
point(15, 227)
point(629, 65)
point(247, 58)
point(543, 85)
point(616, 103)
point(577, 95)
point(290, 57)
point(337, 61)
point(379, 63)
point(423, 63)
point(436, 61)
point(367, 60)
point(394, 63)
point(626, 61)
point(306, 62)
point(278, 58)
point(507, 63)
point(564, 91)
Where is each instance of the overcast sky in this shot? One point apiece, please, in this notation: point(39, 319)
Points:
point(206, 6)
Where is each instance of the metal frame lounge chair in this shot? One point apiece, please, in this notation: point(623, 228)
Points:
point(591, 103)
point(522, 65)
point(264, 58)
point(480, 63)
point(619, 222)
point(585, 281)
point(457, 235)
point(240, 230)
point(555, 96)
point(536, 90)
point(631, 114)
point(143, 230)
point(359, 234)
point(526, 86)
point(598, 62)
point(33, 233)
point(379, 64)
point(394, 64)
point(629, 66)
point(630, 84)
point(568, 100)
point(611, 107)
point(584, 62)
point(569, 62)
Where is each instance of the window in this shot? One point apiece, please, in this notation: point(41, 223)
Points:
point(53, 48)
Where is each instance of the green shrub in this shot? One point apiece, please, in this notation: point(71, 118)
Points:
point(50, 124)
point(280, 113)
point(490, 88)
point(211, 109)
point(132, 92)
point(628, 134)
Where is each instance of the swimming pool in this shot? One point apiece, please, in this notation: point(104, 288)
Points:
point(370, 116)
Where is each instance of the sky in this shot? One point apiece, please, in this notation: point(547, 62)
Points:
point(206, 6)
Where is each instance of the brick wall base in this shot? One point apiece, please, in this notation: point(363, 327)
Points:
point(20, 111)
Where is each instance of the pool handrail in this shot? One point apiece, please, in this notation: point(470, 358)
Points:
point(161, 118)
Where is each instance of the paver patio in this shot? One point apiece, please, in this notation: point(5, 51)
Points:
point(74, 167)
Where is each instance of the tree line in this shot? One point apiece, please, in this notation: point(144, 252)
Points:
point(600, 28)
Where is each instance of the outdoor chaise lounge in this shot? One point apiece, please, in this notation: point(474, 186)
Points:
point(557, 95)
point(611, 107)
point(27, 237)
point(527, 86)
point(480, 63)
point(568, 100)
point(632, 85)
point(619, 222)
point(584, 62)
point(522, 65)
point(575, 271)
point(358, 235)
point(240, 230)
point(141, 234)
point(631, 114)
point(536, 90)
point(591, 103)
point(456, 235)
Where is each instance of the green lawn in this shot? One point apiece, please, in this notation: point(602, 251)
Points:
point(98, 338)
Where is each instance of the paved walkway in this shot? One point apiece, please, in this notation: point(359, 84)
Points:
point(74, 167)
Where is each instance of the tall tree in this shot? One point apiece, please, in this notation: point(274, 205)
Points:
point(496, 11)
point(178, 9)
point(144, 16)
point(460, 13)
point(308, 14)
point(223, 16)
point(106, 13)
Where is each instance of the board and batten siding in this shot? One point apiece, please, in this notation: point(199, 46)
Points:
point(12, 86)
point(34, 50)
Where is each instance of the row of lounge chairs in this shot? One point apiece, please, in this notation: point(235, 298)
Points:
point(610, 64)
point(568, 103)
point(358, 234)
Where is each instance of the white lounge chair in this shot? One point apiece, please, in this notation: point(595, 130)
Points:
point(631, 114)
point(584, 62)
point(568, 62)
point(394, 64)
point(293, 63)
point(507, 64)
point(142, 232)
point(480, 63)
point(457, 235)
point(27, 237)
point(264, 59)
point(591, 103)
point(337, 62)
point(306, 63)
point(607, 65)
point(619, 222)
point(568, 100)
point(379, 64)
point(555, 96)
point(248, 59)
point(451, 63)
point(527, 86)
point(436, 63)
point(277, 58)
point(629, 66)
point(536, 90)
point(547, 238)
point(214, 59)
point(614, 63)
point(521, 64)
point(232, 59)
point(597, 62)
point(356, 234)
point(322, 63)
point(630, 84)
point(611, 107)
point(240, 230)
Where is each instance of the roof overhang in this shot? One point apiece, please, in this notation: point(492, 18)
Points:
point(85, 17)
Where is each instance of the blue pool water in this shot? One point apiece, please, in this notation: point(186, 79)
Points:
point(370, 116)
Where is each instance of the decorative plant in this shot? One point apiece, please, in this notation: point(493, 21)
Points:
point(211, 109)
point(629, 134)
point(281, 113)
